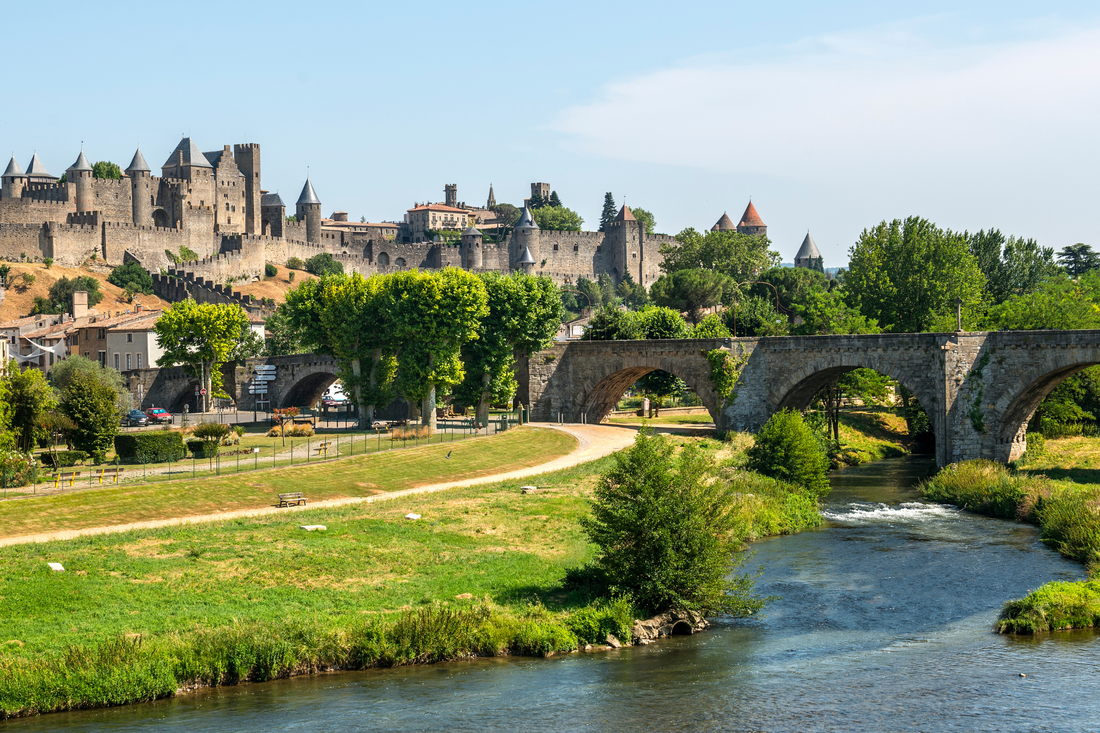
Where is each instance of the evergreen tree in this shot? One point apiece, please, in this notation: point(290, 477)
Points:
point(1077, 259)
point(608, 214)
point(554, 200)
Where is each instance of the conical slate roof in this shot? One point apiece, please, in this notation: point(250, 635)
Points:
point(309, 196)
point(724, 224)
point(138, 164)
point(526, 221)
point(750, 218)
point(808, 249)
point(37, 169)
point(471, 231)
point(81, 163)
point(625, 215)
point(13, 170)
point(526, 259)
point(492, 199)
point(192, 156)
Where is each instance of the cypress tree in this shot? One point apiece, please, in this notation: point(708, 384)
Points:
point(609, 212)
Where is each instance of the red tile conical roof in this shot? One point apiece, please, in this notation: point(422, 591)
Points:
point(750, 218)
point(625, 215)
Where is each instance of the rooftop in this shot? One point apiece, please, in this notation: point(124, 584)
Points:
point(750, 218)
point(308, 196)
point(438, 207)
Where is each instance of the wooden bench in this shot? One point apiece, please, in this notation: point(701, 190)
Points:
point(61, 477)
point(294, 498)
point(110, 473)
point(323, 447)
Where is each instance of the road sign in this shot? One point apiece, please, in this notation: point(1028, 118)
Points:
point(202, 392)
point(264, 377)
point(264, 368)
point(258, 390)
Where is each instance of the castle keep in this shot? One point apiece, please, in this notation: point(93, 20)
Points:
point(212, 205)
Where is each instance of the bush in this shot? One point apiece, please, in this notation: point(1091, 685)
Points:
point(323, 264)
point(65, 458)
point(48, 262)
point(986, 487)
point(203, 448)
point(132, 277)
point(291, 431)
point(295, 263)
point(187, 254)
point(16, 469)
point(151, 447)
point(591, 624)
point(270, 270)
point(665, 532)
point(787, 449)
point(1057, 605)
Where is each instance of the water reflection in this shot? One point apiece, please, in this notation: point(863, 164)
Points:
point(884, 625)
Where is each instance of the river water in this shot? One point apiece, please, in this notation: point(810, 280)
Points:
point(884, 625)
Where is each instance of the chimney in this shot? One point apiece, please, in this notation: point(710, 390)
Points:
point(137, 307)
point(80, 304)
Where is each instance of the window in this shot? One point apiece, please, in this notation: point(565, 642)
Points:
point(103, 358)
point(87, 335)
point(116, 362)
point(139, 361)
point(576, 248)
point(102, 334)
point(129, 338)
point(87, 354)
point(555, 248)
point(128, 367)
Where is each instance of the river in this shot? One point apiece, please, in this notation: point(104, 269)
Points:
point(884, 624)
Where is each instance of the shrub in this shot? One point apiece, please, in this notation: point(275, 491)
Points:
point(203, 448)
point(151, 447)
point(665, 532)
point(412, 432)
point(295, 263)
point(591, 624)
point(787, 449)
point(323, 264)
point(48, 262)
point(187, 254)
point(16, 469)
point(132, 277)
point(270, 270)
point(28, 279)
point(65, 458)
point(291, 431)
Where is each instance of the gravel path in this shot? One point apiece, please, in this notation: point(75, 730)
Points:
point(594, 441)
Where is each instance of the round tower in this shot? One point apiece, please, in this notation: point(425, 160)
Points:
point(526, 238)
point(472, 257)
point(13, 181)
point(80, 175)
point(308, 209)
point(141, 189)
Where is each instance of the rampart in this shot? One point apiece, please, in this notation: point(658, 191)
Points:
point(179, 285)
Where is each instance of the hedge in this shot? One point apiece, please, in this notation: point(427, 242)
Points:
point(151, 447)
point(203, 448)
point(65, 458)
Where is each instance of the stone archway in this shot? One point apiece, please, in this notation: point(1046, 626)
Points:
point(1016, 406)
point(383, 259)
point(307, 391)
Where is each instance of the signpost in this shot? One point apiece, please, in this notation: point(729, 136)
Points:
point(262, 374)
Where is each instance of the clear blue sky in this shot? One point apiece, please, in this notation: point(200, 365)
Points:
point(831, 116)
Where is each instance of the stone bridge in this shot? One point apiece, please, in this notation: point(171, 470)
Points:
point(300, 380)
point(979, 389)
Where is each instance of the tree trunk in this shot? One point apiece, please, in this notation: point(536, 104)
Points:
point(483, 402)
point(427, 410)
point(366, 415)
point(357, 371)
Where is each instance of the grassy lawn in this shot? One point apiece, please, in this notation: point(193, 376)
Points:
point(872, 433)
point(1075, 460)
point(669, 420)
point(357, 476)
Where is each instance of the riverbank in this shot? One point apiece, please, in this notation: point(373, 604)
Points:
point(481, 571)
point(1067, 513)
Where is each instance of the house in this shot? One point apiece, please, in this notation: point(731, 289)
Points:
point(131, 343)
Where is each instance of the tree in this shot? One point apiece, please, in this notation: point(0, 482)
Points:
point(524, 313)
point(507, 214)
point(791, 284)
point(689, 290)
point(827, 312)
point(632, 294)
point(284, 338)
point(536, 202)
point(711, 327)
point(554, 200)
point(665, 531)
point(906, 275)
point(755, 316)
point(558, 218)
point(323, 264)
point(646, 218)
point(5, 270)
point(93, 408)
point(1011, 266)
point(131, 276)
point(28, 398)
point(609, 211)
point(64, 372)
point(1060, 303)
point(106, 169)
point(1077, 259)
point(433, 315)
point(60, 298)
point(786, 449)
point(201, 337)
point(739, 256)
point(651, 322)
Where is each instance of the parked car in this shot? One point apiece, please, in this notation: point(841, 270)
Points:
point(158, 414)
point(134, 418)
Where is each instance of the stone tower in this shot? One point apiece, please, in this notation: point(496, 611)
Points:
point(724, 224)
point(492, 199)
point(80, 174)
point(624, 236)
point(308, 209)
point(14, 180)
point(809, 256)
point(540, 189)
point(247, 156)
point(525, 242)
point(141, 189)
point(450, 191)
point(472, 256)
point(751, 223)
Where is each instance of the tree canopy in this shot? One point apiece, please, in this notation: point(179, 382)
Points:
point(1077, 259)
point(739, 256)
point(202, 337)
point(557, 218)
point(646, 218)
point(1011, 266)
point(60, 298)
point(106, 169)
point(323, 264)
point(133, 277)
point(690, 290)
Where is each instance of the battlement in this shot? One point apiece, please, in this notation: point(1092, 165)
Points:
point(84, 218)
point(179, 285)
point(123, 225)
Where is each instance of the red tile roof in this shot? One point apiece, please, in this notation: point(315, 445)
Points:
point(625, 215)
point(439, 207)
point(750, 218)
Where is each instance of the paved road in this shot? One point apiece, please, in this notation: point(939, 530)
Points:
point(593, 441)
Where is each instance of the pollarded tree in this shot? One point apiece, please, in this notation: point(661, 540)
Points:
point(202, 337)
point(524, 313)
point(433, 315)
point(906, 275)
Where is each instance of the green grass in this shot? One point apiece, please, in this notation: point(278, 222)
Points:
point(871, 434)
point(1068, 515)
point(358, 476)
point(137, 615)
point(667, 420)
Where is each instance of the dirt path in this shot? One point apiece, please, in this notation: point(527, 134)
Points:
point(594, 441)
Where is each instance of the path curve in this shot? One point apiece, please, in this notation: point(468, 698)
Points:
point(593, 441)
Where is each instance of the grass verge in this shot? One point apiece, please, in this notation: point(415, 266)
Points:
point(871, 434)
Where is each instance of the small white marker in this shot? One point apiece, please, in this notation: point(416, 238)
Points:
point(412, 516)
point(313, 527)
point(56, 567)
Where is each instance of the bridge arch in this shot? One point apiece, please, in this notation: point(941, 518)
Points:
point(184, 395)
point(307, 390)
point(601, 392)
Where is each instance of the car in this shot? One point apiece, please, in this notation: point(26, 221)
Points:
point(134, 418)
point(158, 414)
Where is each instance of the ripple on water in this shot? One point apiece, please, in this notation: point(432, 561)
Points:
point(862, 512)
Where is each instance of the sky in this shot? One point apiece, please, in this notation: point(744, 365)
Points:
point(831, 116)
